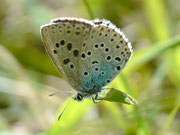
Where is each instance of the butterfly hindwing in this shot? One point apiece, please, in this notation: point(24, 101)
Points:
point(107, 53)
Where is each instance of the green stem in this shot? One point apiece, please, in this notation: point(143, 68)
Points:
point(170, 117)
point(91, 14)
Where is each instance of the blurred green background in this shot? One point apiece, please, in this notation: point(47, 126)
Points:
point(152, 76)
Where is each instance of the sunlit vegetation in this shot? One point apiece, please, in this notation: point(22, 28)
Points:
point(152, 76)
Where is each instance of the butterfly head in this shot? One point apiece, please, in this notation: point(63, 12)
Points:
point(87, 93)
point(78, 97)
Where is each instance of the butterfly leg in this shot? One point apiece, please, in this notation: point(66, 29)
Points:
point(95, 99)
point(96, 96)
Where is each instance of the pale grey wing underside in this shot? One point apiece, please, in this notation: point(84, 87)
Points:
point(63, 40)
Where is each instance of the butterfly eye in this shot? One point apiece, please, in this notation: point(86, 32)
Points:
point(79, 97)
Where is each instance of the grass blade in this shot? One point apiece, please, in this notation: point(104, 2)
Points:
point(91, 14)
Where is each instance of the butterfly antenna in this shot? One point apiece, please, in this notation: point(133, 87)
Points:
point(60, 92)
point(54, 93)
point(64, 109)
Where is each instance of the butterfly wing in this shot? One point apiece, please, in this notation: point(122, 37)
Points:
point(89, 54)
point(106, 53)
point(63, 39)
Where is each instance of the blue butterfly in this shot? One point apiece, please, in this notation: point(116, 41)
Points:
point(89, 54)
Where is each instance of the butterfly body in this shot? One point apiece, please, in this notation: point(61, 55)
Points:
point(89, 54)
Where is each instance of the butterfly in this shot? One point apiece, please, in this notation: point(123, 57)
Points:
point(88, 53)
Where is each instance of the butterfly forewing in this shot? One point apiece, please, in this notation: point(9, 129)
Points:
point(63, 40)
